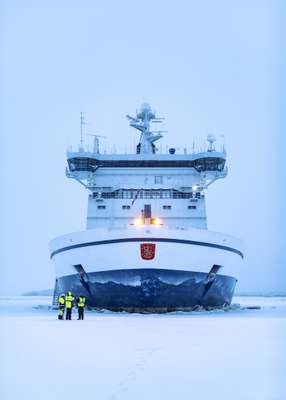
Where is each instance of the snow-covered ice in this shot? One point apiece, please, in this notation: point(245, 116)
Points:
point(235, 355)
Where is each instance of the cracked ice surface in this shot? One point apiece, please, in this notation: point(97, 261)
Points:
point(235, 355)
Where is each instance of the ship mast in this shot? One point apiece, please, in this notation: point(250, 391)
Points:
point(82, 122)
point(142, 123)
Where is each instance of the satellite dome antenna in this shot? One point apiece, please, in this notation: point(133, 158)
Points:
point(211, 139)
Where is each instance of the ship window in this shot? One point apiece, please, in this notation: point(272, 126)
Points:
point(101, 207)
point(126, 194)
point(126, 207)
point(167, 207)
point(166, 194)
point(145, 194)
point(193, 200)
point(158, 179)
point(192, 207)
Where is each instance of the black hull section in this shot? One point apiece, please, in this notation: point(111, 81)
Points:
point(153, 289)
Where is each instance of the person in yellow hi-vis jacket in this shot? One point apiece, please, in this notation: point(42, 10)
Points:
point(61, 301)
point(80, 306)
point(69, 305)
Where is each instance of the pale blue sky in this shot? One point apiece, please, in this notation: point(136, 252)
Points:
point(207, 66)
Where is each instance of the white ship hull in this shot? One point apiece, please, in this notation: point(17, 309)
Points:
point(107, 266)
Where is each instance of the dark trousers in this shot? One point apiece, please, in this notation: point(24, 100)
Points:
point(80, 312)
point(68, 313)
point(61, 312)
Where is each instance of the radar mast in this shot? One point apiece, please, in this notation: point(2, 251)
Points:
point(142, 123)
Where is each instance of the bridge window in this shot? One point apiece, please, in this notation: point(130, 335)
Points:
point(158, 179)
point(145, 194)
point(126, 207)
point(192, 207)
point(166, 194)
point(167, 207)
point(101, 207)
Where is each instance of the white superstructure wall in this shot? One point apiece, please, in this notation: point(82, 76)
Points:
point(145, 177)
point(167, 190)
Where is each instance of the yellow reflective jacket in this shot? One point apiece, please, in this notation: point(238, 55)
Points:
point(61, 301)
point(81, 301)
point(69, 300)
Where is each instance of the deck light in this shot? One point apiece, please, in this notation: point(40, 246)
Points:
point(156, 221)
point(138, 222)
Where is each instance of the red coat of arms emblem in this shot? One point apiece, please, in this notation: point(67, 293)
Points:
point(148, 251)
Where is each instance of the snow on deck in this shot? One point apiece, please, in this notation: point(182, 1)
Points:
point(234, 355)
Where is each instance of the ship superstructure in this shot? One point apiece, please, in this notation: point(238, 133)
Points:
point(146, 244)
